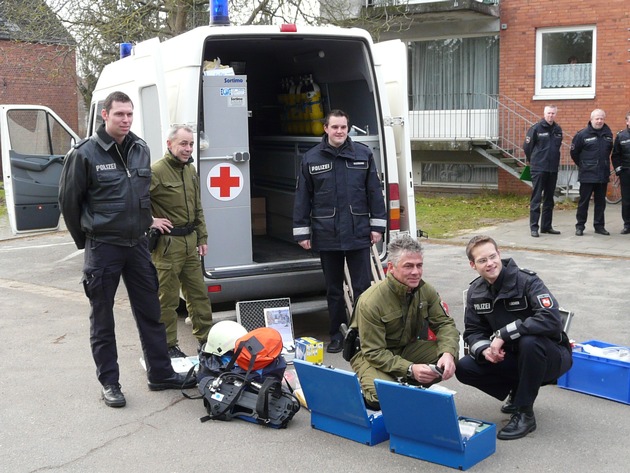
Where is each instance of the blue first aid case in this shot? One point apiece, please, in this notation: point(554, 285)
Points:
point(334, 398)
point(424, 424)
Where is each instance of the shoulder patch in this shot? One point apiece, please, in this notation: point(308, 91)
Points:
point(528, 271)
point(545, 301)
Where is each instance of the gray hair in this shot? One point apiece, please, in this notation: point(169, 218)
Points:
point(172, 131)
point(400, 245)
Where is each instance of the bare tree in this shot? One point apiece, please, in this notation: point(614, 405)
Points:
point(99, 27)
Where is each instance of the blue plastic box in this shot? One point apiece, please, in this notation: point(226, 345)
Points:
point(334, 398)
point(424, 424)
point(597, 376)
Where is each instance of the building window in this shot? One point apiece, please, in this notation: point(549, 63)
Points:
point(565, 62)
point(453, 73)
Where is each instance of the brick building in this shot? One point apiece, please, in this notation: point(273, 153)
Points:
point(37, 59)
point(481, 71)
point(538, 38)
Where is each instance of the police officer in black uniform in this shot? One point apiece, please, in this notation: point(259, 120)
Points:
point(590, 150)
point(621, 163)
point(339, 211)
point(514, 332)
point(104, 198)
point(542, 151)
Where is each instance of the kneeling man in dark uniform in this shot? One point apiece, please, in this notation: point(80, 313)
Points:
point(514, 331)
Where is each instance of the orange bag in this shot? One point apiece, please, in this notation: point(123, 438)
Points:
point(263, 344)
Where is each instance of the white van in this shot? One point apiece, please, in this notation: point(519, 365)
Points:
point(252, 129)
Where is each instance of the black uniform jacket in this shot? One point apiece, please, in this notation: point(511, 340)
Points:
point(521, 305)
point(621, 150)
point(590, 150)
point(101, 196)
point(542, 146)
point(339, 198)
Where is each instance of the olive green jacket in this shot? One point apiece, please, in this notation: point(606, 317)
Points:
point(175, 194)
point(389, 318)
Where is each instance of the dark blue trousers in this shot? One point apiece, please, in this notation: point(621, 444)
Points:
point(624, 182)
point(598, 191)
point(103, 266)
point(536, 361)
point(360, 273)
point(543, 189)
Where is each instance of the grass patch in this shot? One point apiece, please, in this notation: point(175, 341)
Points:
point(447, 216)
point(3, 203)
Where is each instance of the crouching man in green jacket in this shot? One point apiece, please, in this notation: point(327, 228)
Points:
point(395, 318)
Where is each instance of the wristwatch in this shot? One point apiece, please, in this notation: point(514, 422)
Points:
point(497, 334)
point(410, 371)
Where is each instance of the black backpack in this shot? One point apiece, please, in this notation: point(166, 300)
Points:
point(256, 396)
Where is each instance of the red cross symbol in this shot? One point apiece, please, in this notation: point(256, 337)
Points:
point(225, 181)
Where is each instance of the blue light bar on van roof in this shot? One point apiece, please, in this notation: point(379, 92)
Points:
point(219, 12)
point(125, 50)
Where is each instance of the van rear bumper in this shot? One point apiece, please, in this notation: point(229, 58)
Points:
point(240, 285)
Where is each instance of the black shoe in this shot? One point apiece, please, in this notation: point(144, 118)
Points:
point(551, 231)
point(579, 232)
point(175, 381)
point(519, 426)
point(508, 407)
point(374, 406)
point(335, 346)
point(535, 234)
point(602, 231)
point(175, 352)
point(625, 231)
point(113, 396)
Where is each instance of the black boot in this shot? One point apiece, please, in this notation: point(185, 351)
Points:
point(519, 426)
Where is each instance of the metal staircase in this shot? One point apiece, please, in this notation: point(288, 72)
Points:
point(506, 150)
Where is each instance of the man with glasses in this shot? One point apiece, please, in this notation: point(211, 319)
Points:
point(514, 333)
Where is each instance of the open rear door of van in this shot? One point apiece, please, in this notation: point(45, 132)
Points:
point(34, 141)
point(391, 68)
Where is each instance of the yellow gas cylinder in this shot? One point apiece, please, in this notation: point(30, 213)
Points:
point(315, 107)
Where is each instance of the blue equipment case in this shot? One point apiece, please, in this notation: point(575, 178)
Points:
point(334, 398)
point(424, 424)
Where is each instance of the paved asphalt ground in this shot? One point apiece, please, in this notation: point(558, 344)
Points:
point(52, 418)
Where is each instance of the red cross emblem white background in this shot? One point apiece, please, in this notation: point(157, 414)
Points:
point(225, 181)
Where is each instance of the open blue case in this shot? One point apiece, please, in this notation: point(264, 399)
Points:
point(334, 398)
point(424, 424)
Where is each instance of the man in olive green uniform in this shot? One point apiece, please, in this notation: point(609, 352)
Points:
point(396, 319)
point(178, 215)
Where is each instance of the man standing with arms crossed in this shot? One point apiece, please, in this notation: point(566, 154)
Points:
point(339, 211)
point(178, 215)
point(542, 150)
point(590, 150)
point(104, 199)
